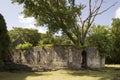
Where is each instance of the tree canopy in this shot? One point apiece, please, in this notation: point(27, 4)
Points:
point(64, 15)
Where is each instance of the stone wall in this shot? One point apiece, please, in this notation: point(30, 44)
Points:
point(94, 60)
point(56, 57)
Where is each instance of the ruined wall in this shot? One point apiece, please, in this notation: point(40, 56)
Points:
point(94, 60)
point(57, 57)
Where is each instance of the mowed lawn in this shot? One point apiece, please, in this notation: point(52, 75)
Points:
point(107, 73)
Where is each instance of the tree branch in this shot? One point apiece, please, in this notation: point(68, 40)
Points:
point(107, 8)
point(93, 12)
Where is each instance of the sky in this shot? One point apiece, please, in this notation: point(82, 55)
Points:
point(14, 18)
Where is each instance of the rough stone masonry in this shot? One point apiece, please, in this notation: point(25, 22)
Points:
point(58, 57)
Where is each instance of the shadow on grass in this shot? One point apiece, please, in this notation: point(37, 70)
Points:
point(18, 75)
point(19, 72)
point(107, 73)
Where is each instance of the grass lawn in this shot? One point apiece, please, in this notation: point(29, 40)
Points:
point(107, 73)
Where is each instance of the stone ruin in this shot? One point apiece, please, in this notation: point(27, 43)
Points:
point(56, 57)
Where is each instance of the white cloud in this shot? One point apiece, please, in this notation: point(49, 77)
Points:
point(29, 23)
point(28, 20)
point(117, 13)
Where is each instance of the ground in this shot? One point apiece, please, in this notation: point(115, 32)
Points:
point(108, 73)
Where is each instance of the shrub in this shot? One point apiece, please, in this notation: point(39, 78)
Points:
point(24, 46)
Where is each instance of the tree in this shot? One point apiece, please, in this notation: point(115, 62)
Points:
point(47, 38)
point(100, 37)
point(62, 40)
point(52, 39)
point(28, 35)
point(4, 39)
point(64, 15)
point(115, 33)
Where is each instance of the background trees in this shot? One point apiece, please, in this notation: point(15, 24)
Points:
point(28, 35)
point(99, 37)
point(4, 40)
point(35, 38)
point(62, 40)
point(114, 56)
point(46, 38)
point(49, 38)
point(107, 40)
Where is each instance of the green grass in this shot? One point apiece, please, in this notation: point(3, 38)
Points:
point(107, 73)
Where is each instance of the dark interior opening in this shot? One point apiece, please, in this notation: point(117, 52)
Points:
point(84, 59)
point(20, 58)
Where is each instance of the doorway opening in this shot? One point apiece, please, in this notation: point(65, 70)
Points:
point(84, 59)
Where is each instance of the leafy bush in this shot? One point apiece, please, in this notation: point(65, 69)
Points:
point(24, 46)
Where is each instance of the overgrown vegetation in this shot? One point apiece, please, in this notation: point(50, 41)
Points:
point(26, 45)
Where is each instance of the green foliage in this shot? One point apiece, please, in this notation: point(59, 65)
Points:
point(114, 57)
point(28, 35)
point(46, 39)
point(24, 46)
point(63, 15)
point(49, 38)
point(56, 15)
point(116, 34)
point(4, 39)
point(62, 40)
point(100, 38)
point(39, 39)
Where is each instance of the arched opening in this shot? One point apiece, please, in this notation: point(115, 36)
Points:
point(84, 59)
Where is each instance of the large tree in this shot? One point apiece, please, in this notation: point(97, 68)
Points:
point(4, 39)
point(64, 15)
